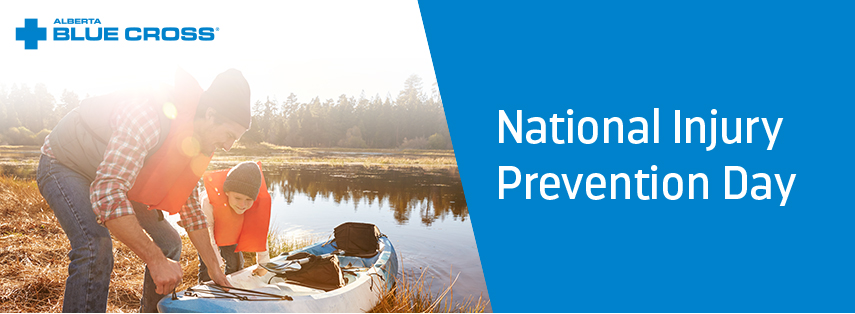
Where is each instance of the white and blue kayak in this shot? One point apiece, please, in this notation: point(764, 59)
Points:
point(365, 279)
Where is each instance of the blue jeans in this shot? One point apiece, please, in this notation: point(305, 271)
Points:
point(91, 255)
point(234, 262)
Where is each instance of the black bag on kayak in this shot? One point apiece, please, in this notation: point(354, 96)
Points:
point(357, 238)
point(319, 272)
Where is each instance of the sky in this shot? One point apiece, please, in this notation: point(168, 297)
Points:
point(309, 48)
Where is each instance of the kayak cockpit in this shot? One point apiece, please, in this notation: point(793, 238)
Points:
point(269, 283)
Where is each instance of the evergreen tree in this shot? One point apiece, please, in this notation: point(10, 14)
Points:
point(45, 115)
point(68, 102)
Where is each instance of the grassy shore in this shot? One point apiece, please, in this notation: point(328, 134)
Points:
point(273, 154)
point(34, 262)
point(22, 161)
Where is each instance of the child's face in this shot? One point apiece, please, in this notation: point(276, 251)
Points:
point(239, 202)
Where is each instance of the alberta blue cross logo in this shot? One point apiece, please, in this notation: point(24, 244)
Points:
point(31, 33)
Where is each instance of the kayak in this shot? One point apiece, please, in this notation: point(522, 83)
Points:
point(365, 279)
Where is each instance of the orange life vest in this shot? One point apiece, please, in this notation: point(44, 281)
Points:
point(249, 230)
point(169, 176)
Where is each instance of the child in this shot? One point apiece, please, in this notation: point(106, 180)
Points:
point(237, 208)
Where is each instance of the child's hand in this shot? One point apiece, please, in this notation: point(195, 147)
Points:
point(259, 271)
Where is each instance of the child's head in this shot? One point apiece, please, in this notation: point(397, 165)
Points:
point(242, 185)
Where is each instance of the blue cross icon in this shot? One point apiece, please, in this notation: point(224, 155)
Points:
point(31, 33)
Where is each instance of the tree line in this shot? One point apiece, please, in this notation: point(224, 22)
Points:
point(414, 119)
point(24, 111)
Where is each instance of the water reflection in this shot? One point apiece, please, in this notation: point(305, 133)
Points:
point(434, 194)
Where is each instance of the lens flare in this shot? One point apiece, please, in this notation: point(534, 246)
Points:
point(170, 111)
point(190, 146)
point(199, 164)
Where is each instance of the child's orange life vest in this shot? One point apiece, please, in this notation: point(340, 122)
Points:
point(249, 230)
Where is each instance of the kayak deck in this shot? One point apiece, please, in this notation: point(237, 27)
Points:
point(365, 279)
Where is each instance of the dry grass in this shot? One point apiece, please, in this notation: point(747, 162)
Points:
point(412, 294)
point(270, 153)
point(34, 263)
point(33, 250)
point(34, 257)
point(24, 164)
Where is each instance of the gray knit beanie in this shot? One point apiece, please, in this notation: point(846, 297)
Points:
point(229, 95)
point(245, 178)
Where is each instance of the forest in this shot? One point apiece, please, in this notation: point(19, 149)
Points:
point(412, 120)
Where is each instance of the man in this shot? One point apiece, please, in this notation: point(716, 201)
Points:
point(110, 167)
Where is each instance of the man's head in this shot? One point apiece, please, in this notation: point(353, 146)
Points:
point(223, 114)
point(242, 185)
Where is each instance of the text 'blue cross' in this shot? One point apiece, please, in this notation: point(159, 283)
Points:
point(31, 33)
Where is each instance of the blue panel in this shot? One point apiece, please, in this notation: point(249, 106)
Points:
point(623, 59)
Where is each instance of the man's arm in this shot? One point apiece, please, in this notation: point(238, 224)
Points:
point(135, 131)
point(208, 209)
point(202, 242)
point(165, 272)
point(194, 221)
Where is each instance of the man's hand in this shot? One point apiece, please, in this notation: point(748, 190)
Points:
point(218, 277)
point(202, 241)
point(166, 274)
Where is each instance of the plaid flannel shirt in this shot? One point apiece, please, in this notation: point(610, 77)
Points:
point(136, 130)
